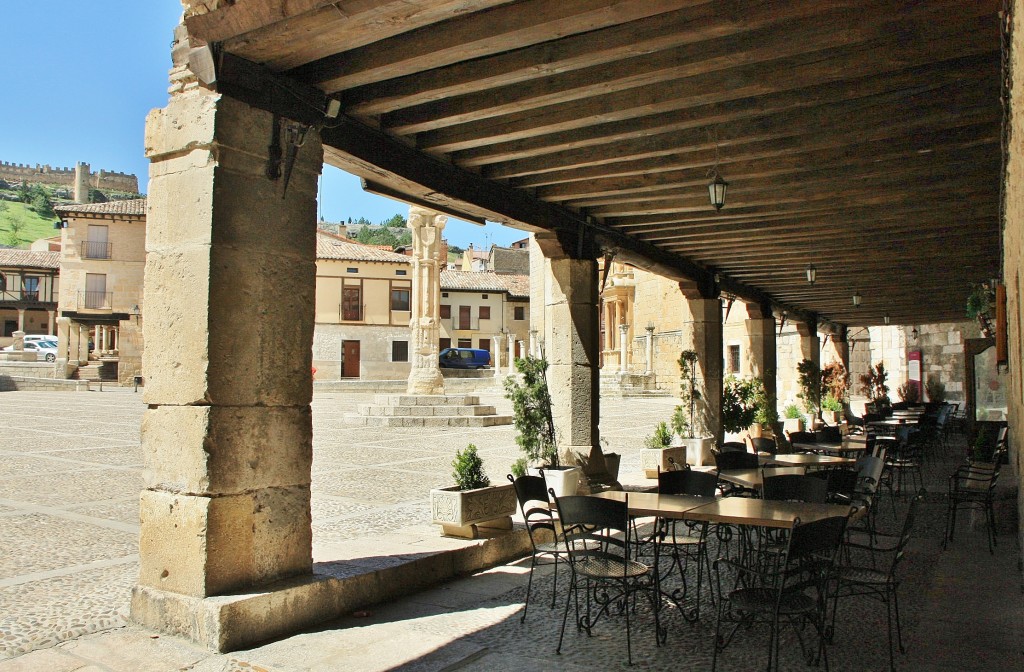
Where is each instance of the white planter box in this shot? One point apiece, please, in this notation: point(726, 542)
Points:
point(793, 425)
point(565, 481)
point(698, 451)
point(462, 513)
point(653, 459)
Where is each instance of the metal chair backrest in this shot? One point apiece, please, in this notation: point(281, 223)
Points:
point(869, 471)
point(732, 447)
point(532, 493)
point(763, 445)
point(595, 528)
point(737, 460)
point(908, 528)
point(794, 487)
point(689, 482)
point(801, 437)
point(821, 538)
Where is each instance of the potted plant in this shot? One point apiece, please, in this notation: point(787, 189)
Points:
point(935, 389)
point(766, 415)
point(872, 385)
point(909, 393)
point(981, 306)
point(739, 403)
point(535, 427)
point(472, 504)
point(809, 379)
point(657, 451)
point(794, 421)
point(831, 409)
point(696, 440)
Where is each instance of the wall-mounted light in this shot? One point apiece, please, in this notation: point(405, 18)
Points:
point(136, 313)
point(886, 319)
point(857, 298)
point(914, 334)
point(812, 274)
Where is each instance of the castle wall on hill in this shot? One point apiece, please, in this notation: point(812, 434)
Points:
point(45, 174)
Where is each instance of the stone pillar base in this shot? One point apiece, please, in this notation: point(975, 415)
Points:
point(231, 622)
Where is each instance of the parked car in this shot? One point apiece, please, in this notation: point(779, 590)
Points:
point(40, 337)
point(44, 349)
point(464, 358)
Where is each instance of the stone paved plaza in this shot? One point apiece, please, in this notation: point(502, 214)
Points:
point(70, 468)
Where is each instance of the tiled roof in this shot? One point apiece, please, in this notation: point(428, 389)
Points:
point(135, 206)
point(486, 281)
point(329, 246)
point(29, 259)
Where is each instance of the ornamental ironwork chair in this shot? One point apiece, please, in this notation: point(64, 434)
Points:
point(795, 488)
point(686, 540)
point(761, 444)
point(732, 447)
point(604, 572)
point(973, 486)
point(801, 437)
point(880, 583)
point(735, 460)
point(792, 591)
point(531, 491)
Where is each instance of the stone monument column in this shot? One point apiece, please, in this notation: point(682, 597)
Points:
point(426, 225)
point(225, 547)
point(623, 355)
point(511, 353)
point(649, 358)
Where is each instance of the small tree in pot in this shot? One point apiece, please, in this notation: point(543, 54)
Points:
point(472, 505)
point(809, 379)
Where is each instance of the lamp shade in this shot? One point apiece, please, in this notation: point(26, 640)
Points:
point(886, 318)
point(812, 274)
point(716, 190)
point(856, 300)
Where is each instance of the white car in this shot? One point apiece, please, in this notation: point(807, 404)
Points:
point(44, 349)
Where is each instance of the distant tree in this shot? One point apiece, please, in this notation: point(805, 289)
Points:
point(455, 249)
point(376, 237)
point(96, 196)
point(396, 222)
point(42, 205)
point(14, 232)
point(361, 221)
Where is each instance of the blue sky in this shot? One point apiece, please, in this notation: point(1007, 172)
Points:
point(79, 78)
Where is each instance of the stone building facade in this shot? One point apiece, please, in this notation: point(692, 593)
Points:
point(29, 286)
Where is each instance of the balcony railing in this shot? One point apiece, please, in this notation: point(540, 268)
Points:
point(25, 296)
point(95, 300)
point(96, 250)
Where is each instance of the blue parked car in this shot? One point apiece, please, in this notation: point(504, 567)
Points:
point(464, 358)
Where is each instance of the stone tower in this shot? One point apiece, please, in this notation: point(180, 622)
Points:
point(81, 182)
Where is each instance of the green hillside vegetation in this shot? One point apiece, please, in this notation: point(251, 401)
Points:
point(20, 224)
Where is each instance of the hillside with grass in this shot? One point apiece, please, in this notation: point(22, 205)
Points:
point(20, 224)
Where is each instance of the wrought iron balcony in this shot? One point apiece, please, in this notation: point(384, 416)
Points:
point(96, 250)
point(95, 300)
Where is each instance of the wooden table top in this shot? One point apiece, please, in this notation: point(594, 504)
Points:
point(654, 504)
point(752, 478)
point(893, 422)
point(847, 446)
point(764, 513)
point(811, 460)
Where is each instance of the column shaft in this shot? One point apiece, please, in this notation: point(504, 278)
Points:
point(706, 328)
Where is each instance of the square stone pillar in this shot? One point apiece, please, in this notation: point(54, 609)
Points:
point(83, 345)
point(810, 344)
point(226, 542)
point(763, 353)
point(706, 326)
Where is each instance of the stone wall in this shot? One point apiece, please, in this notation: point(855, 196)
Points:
point(374, 350)
point(45, 174)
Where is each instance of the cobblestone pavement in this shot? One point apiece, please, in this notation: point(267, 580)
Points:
point(70, 475)
point(68, 518)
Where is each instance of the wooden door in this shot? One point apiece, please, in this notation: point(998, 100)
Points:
point(465, 314)
point(350, 361)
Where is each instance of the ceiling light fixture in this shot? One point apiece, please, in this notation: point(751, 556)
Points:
point(856, 300)
point(717, 186)
point(812, 274)
point(886, 319)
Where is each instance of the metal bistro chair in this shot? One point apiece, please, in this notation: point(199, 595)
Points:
point(880, 583)
point(532, 494)
point(597, 540)
point(761, 444)
point(685, 544)
point(732, 447)
point(735, 460)
point(973, 486)
point(779, 594)
point(794, 488)
point(801, 437)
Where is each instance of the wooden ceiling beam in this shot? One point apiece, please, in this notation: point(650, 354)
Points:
point(936, 43)
point(833, 28)
point(471, 35)
point(893, 85)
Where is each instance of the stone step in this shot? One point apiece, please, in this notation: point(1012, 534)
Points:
point(429, 421)
point(425, 400)
point(424, 411)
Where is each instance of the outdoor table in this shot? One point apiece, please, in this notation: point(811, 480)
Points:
point(849, 445)
point(752, 478)
point(810, 460)
point(655, 504)
point(763, 512)
point(893, 422)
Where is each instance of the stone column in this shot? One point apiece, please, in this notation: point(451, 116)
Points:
point(227, 437)
point(73, 341)
point(810, 344)
point(534, 350)
point(64, 339)
point(496, 348)
point(572, 340)
point(51, 315)
point(83, 346)
point(21, 319)
point(425, 375)
point(706, 334)
point(511, 353)
point(649, 353)
point(623, 358)
point(522, 346)
point(763, 352)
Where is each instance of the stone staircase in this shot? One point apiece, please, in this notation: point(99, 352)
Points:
point(410, 410)
point(104, 370)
